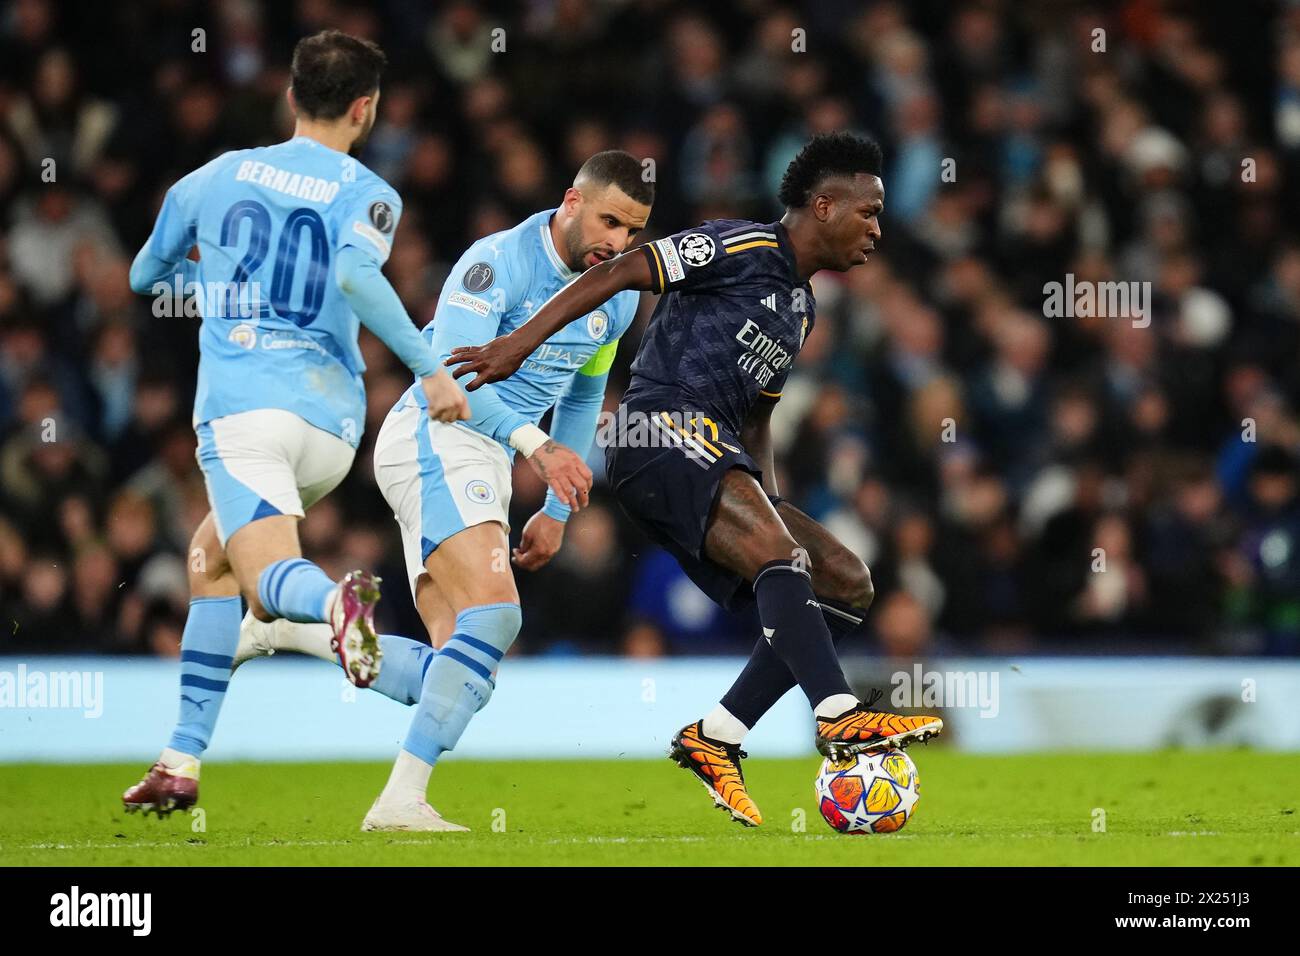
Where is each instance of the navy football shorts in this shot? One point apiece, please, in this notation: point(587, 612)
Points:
point(666, 472)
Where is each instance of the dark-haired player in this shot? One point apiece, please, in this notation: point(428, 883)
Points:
point(449, 484)
point(736, 309)
point(291, 239)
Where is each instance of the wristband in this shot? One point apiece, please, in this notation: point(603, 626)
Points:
point(553, 507)
point(526, 439)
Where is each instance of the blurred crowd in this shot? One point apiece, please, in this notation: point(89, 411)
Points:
point(1017, 480)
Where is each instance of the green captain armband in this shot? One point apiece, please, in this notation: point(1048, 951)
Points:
point(600, 363)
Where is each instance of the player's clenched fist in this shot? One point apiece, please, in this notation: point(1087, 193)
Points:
point(566, 473)
point(447, 403)
point(540, 541)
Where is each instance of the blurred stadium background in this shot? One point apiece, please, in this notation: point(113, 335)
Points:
point(1171, 156)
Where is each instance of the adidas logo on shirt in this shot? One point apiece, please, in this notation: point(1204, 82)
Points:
point(769, 301)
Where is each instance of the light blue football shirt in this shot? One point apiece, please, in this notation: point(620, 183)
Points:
point(277, 332)
point(497, 285)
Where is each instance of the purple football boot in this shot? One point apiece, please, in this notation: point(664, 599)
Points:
point(352, 615)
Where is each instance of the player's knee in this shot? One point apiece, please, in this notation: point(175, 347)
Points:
point(849, 580)
point(768, 544)
point(489, 628)
point(866, 589)
point(485, 632)
point(255, 605)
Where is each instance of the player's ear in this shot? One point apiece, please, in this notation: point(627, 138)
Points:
point(360, 107)
point(288, 96)
point(572, 199)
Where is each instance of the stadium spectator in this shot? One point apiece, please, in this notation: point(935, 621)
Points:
point(974, 447)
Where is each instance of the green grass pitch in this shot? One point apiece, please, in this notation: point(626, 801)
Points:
point(1165, 809)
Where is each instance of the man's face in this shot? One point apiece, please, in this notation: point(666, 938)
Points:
point(604, 222)
point(851, 225)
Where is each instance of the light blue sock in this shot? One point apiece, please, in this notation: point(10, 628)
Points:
point(405, 664)
point(207, 651)
point(459, 680)
point(295, 589)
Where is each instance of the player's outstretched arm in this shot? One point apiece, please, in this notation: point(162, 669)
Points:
point(565, 473)
point(502, 357)
point(380, 310)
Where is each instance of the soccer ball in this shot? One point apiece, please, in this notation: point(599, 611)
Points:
point(868, 793)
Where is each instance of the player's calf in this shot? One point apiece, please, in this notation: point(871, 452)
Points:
point(208, 571)
point(405, 660)
point(207, 644)
point(457, 684)
point(347, 610)
point(838, 575)
point(461, 678)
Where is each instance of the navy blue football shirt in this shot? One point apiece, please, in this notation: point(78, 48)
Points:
point(732, 318)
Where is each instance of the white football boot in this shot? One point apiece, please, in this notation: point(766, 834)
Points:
point(413, 817)
point(256, 639)
point(262, 639)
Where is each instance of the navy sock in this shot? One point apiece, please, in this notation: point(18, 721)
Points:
point(796, 630)
point(207, 656)
point(766, 679)
point(842, 619)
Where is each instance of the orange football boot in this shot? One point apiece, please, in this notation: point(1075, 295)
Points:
point(861, 729)
point(717, 766)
